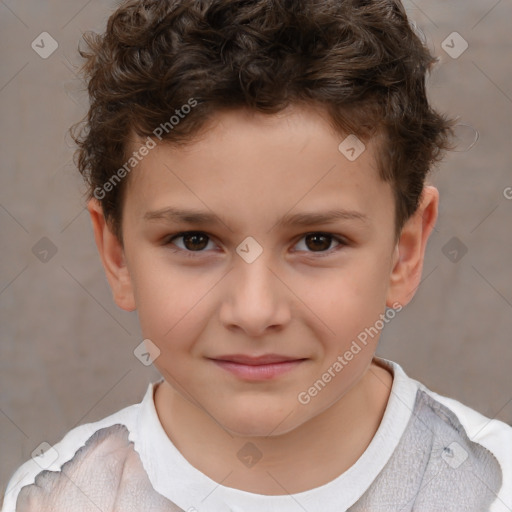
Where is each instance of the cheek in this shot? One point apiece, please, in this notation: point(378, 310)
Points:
point(171, 302)
point(160, 294)
point(349, 300)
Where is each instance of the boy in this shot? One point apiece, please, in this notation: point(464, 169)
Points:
point(225, 139)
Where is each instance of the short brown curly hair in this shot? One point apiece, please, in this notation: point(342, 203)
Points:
point(359, 60)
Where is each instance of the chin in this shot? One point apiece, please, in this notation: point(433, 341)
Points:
point(258, 423)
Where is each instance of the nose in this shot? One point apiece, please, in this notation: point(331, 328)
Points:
point(255, 299)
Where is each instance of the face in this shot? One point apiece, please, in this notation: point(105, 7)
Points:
point(267, 269)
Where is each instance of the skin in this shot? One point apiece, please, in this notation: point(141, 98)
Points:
point(250, 170)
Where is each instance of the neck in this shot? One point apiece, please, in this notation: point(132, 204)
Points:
point(309, 456)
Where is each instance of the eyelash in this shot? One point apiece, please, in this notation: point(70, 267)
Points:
point(194, 254)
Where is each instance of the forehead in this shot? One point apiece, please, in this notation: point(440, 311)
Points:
point(245, 162)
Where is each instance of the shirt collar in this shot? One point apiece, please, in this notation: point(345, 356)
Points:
point(176, 479)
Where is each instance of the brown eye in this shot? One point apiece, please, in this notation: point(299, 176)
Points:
point(320, 243)
point(194, 241)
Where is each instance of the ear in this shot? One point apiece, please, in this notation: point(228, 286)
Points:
point(112, 257)
point(410, 249)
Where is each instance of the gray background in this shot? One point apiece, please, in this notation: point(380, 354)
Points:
point(67, 350)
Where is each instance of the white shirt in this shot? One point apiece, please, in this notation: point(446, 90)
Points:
point(430, 453)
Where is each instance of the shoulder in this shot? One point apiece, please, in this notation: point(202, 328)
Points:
point(479, 446)
point(449, 457)
point(469, 455)
point(90, 466)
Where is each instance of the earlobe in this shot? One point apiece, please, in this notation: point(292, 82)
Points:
point(113, 258)
point(409, 252)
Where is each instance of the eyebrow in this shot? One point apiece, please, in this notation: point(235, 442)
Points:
point(198, 217)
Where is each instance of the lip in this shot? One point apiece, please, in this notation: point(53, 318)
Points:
point(256, 360)
point(263, 367)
